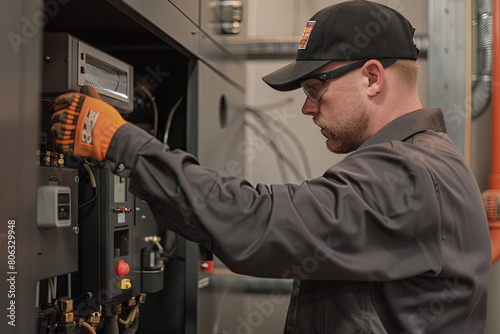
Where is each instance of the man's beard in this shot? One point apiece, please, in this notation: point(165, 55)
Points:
point(348, 135)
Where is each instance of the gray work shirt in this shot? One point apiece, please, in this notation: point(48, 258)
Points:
point(392, 239)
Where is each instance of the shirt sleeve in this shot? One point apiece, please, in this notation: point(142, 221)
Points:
point(372, 217)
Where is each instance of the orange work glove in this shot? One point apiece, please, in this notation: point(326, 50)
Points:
point(84, 125)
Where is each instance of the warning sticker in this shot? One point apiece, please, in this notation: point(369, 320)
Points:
point(306, 34)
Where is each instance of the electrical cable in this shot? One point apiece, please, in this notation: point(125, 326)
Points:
point(155, 107)
point(52, 288)
point(132, 328)
point(274, 105)
point(69, 285)
point(37, 294)
point(277, 152)
point(91, 175)
point(90, 328)
point(170, 118)
point(131, 316)
point(160, 248)
point(171, 242)
point(54, 280)
point(93, 183)
point(291, 135)
point(111, 325)
point(51, 315)
point(279, 162)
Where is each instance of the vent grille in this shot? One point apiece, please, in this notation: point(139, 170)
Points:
point(105, 77)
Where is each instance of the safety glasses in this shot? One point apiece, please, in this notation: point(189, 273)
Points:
point(314, 85)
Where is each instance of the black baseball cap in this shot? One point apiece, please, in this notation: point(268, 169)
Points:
point(351, 30)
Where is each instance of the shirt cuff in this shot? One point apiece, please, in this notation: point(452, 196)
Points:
point(124, 147)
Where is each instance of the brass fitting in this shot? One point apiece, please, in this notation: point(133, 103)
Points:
point(95, 319)
point(142, 298)
point(66, 304)
point(132, 301)
point(67, 317)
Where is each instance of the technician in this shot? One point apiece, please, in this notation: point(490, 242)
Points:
point(393, 239)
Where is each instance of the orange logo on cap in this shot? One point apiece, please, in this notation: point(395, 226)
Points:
point(306, 34)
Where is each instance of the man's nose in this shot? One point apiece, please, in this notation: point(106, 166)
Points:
point(310, 107)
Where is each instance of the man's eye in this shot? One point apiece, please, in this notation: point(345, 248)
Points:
point(314, 85)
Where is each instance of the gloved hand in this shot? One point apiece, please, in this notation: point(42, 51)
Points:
point(83, 124)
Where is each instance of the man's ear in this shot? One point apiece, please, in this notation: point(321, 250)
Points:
point(375, 78)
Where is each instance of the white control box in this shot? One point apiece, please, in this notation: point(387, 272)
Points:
point(54, 206)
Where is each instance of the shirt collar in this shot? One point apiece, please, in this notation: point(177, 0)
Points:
point(408, 125)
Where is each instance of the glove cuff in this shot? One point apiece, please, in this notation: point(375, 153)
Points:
point(107, 135)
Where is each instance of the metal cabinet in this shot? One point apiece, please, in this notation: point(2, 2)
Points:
point(190, 8)
point(217, 127)
point(169, 19)
point(216, 134)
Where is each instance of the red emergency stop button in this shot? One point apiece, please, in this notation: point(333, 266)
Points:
point(123, 268)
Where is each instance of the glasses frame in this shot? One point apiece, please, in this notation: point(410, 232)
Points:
point(338, 72)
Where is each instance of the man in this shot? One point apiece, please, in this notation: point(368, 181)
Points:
point(393, 239)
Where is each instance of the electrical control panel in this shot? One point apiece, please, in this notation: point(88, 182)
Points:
point(120, 242)
point(107, 230)
point(121, 256)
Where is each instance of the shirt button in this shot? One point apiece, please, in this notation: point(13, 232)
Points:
point(296, 292)
point(120, 168)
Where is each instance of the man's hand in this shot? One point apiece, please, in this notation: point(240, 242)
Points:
point(83, 124)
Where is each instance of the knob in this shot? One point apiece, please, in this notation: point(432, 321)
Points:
point(123, 268)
